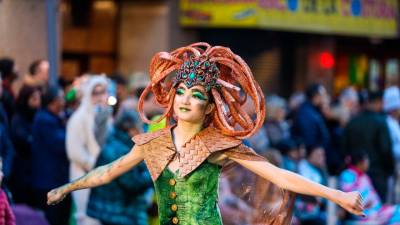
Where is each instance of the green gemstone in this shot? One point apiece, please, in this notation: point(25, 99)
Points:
point(192, 75)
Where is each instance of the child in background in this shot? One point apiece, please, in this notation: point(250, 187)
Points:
point(6, 215)
point(291, 154)
point(311, 210)
point(355, 178)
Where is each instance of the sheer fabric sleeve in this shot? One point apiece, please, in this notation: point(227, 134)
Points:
point(270, 205)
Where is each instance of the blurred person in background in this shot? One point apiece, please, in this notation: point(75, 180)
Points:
point(6, 146)
point(104, 113)
point(309, 123)
point(38, 74)
point(338, 116)
point(355, 178)
point(291, 154)
point(258, 141)
point(3, 115)
point(125, 200)
point(6, 151)
point(49, 158)
point(121, 89)
point(391, 106)
point(82, 146)
point(277, 128)
point(27, 104)
point(294, 103)
point(73, 94)
point(7, 216)
point(311, 210)
point(137, 83)
point(9, 74)
point(347, 107)
point(369, 131)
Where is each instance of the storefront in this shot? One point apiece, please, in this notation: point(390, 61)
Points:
point(334, 42)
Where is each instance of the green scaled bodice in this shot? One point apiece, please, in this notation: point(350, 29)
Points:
point(191, 200)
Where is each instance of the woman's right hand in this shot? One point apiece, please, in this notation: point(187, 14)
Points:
point(56, 195)
point(351, 201)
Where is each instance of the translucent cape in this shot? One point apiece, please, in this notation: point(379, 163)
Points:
point(248, 199)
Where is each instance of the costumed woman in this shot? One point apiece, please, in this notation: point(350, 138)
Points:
point(204, 97)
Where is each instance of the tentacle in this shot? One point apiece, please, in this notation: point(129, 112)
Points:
point(234, 113)
point(229, 116)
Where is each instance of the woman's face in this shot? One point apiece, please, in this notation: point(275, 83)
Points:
point(280, 114)
point(317, 157)
point(192, 104)
point(364, 165)
point(34, 100)
point(99, 95)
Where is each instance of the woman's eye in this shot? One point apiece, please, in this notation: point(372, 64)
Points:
point(180, 91)
point(199, 96)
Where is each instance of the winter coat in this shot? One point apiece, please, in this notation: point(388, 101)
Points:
point(369, 132)
point(6, 150)
point(49, 158)
point(310, 126)
point(6, 214)
point(125, 200)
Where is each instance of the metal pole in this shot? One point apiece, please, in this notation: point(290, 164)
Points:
point(52, 39)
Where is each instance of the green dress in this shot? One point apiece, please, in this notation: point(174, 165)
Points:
point(190, 196)
point(191, 200)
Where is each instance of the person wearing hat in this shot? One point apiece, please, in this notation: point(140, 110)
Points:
point(391, 106)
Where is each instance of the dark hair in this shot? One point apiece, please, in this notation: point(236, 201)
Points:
point(313, 90)
point(63, 83)
point(6, 67)
point(50, 95)
point(374, 96)
point(33, 68)
point(287, 145)
point(311, 148)
point(363, 97)
point(126, 120)
point(139, 91)
point(118, 79)
point(22, 101)
point(24, 95)
point(357, 157)
point(299, 141)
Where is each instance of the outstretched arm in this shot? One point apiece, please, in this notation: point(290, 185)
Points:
point(99, 176)
point(287, 180)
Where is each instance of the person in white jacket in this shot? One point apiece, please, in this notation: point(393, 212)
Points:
point(82, 147)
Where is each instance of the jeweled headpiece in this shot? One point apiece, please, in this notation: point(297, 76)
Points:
point(198, 72)
point(211, 67)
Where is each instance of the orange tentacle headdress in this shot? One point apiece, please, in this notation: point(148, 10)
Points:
point(235, 83)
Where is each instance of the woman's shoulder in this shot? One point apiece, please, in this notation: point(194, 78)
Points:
point(215, 140)
point(145, 138)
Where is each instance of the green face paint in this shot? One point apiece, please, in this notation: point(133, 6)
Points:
point(180, 91)
point(199, 96)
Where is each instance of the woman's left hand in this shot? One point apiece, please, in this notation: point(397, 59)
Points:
point(351, 201)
